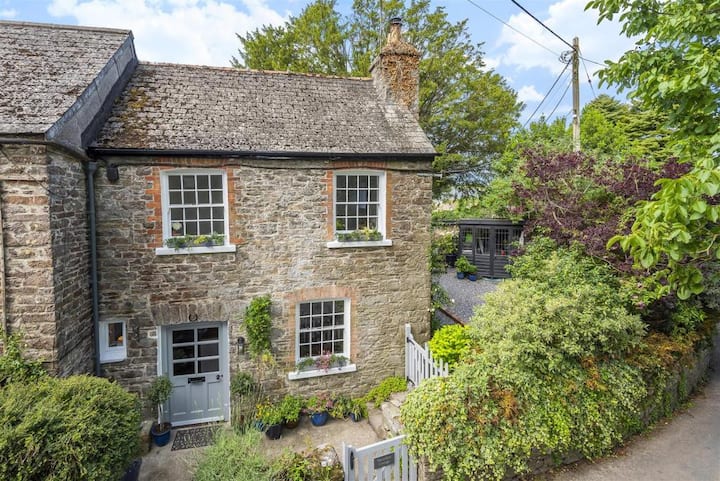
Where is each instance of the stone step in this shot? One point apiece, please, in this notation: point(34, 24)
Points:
point(375, 418)
point(386, 420)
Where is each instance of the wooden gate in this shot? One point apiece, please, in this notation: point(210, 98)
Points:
point(387, 460)
point(419, 363)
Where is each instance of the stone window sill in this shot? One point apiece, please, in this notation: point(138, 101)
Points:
point(110, 359)
point(347, 244)
point(296, 375)
point(170, 251)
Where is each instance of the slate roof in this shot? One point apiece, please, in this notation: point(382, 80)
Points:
point(45, 68)
point(168, 107)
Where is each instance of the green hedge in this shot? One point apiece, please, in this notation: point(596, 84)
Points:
point(450, 343)
point(61, 429)
point(548, 374)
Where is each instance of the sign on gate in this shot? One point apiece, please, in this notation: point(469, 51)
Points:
point(387, 460)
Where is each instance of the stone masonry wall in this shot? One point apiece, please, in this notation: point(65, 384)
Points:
point(71, 265)
point(28, 295)
point(279, 220)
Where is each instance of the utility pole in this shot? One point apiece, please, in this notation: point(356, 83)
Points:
point(576, 94)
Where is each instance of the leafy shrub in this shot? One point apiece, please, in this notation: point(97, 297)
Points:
point(686, 318)
point(75, 428)
point(13, 366)
point(381, 393)
point(463, 265)
point(259, 325)
point(305, 467)
point(450, 343)
point(547, 373)
point(233, 457)
point(485, 421)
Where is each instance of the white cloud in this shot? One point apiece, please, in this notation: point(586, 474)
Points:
point(528, 93)
point(568, 19)
point(8, 13)
point(491, 63)
point(198, 32)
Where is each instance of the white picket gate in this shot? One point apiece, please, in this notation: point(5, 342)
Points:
point(419, 363)
point(387, 460)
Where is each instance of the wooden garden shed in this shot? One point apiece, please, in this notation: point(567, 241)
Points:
point(487, 243)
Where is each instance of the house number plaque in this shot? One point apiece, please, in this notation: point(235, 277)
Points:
point(382, 461)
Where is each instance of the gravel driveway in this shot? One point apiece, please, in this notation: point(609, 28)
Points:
point(466, 294)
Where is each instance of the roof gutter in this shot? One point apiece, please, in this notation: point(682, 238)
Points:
point(259, 155)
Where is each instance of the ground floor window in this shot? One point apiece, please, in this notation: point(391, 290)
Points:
point(323, 328)
point(112, 341)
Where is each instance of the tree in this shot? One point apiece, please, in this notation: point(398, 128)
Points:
point(466, 110)
point(675, 68)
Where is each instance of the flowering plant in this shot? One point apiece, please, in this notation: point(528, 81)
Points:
point(269, 414)
point(319, 404)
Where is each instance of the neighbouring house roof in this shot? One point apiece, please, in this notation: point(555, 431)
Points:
point(46, 69)
point(183, 107)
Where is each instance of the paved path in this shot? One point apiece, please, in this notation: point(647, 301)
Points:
point(686, 448)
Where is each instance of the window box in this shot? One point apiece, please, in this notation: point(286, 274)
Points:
point(297, 375)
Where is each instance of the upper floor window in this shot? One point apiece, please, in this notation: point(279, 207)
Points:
point(359, 206)
point(195, 210)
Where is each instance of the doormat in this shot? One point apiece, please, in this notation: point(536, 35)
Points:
point(194, 438)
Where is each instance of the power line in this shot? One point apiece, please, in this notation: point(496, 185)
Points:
point(593, 61)
point(561, 99)
point(588, 77)
point(471, 2)
point(542, 24)
point(546, 95)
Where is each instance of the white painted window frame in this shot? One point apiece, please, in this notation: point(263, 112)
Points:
point(112, 354)
point(382, 210)
point(349, 367)
point(166, 222)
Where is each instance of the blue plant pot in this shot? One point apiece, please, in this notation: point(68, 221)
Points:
point(472, 277)
point(160, 438)
point(319, 419)
point(460, 275)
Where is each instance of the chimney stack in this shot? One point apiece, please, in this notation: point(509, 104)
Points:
point(395, 70)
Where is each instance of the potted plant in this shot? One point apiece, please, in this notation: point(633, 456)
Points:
point(159, 393)
point(341, 407)
point(357, 409)
point(318, 407)
point(271, 417)
point(291, 407)
point(464, 267)
point(177, 242)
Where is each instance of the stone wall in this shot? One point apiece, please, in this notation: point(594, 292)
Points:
point(29, 299)
point(279, 220)
point(71, 265)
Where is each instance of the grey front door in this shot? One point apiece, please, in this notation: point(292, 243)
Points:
point(197, 364)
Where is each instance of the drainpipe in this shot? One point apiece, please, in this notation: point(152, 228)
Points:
point(91, 169)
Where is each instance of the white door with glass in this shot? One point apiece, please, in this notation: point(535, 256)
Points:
point(197, 364)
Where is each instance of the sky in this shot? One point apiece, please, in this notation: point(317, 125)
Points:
point(203, 32)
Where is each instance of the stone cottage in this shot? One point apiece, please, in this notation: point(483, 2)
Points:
point(314, 190)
